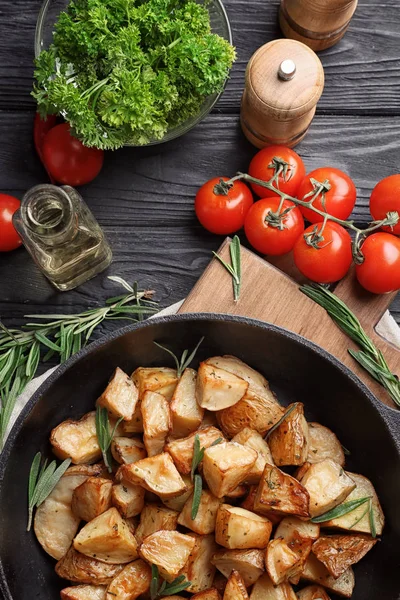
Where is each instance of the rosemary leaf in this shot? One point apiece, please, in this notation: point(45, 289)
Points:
point(235, 269)
point(281, 420)
point(198, 455)
point(104, 435)
point(121, 281)
point(178, 585)
point(360, 518)
point(340, 510)
point(185, 360)
point(371, 516)
point(154, 582)
point(198, 487)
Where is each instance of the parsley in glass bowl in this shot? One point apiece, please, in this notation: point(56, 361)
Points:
point(112, 105)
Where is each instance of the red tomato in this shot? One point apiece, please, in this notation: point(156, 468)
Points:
point(385, 197)
point(331, 261)
point(9, 238)
point(260, 169)
point(339, 200)
point(68, 161)
point(219, 213)
point(380, 271)
point(268, 239)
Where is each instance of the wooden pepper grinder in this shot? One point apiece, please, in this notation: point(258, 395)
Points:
point(318, 23)
point(284, 81)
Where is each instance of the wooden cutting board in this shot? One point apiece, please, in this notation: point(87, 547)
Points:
point(269, 294)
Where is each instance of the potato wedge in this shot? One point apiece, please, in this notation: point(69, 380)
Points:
point(204, 523)
point(76, 440)
point(322, 444)
point(312, 592)
point(155, 379)
point(156, 474)
point(248, 504)
point(354, 520)
point(135, 425)
point(107, 538)
point(289, 442)
point(169, 550)
point(282, 494)
point(154, 518)
point(182, 450)
point(91, 498)
point(128, 498)
point(264, 589)
point(217, 389)
point(78, 568)
point(133, 581)
point(120, 396)
point(289, 526)
point(239, 491)
point(179, 502)
point(284, 561)
point(226, 465)
point(252, 439)
point(249, 563)
point(84, 592)
point(210, 594)
point(327, 484)
point(235, 588)
point(317, 573)
point(239, 528)
point(185, 412)
point(55, 524)
point(126, 450)
point(234, 365)
point(157, 422)
point(198, 568)
point(338, 552)
point(253, 411)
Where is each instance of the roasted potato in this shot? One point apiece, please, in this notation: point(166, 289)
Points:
point(126, 450)
point(78, 568)
point(84, 592)
point(239, 528)
point(91, 498)
point(339, 552)
point(239, 491)
point(354, 520)
point(76, 440)
point(248, 504)
point(198, 568)
point(256, 381)
point(157, 422)
point(217, 389)
point(317, 573)
point(107, 538)
point(284, 561)
point(226, 465)
point(179, 502)
point(186, 413)
point(135, 425)
point(204, 523)
point(253, 411)
point(312, 592)
point(249, 563)
point(210, 594)
point(133, 581)
point(128, 498)
point(154, 518)
point(289, 442)
point(169, 550)
point(120, 396)
point(282, 494)
point(235, 588)
point(322, 444)
point(156, 474)
point(252, 439)
point(182, 450)
point(327, 484)
point(264, 589)
point(155, 379)
point(289, 526)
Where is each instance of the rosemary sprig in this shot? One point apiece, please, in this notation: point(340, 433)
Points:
point(341, 510)
point(369, 357)
point(105, 435)
point(281, 420)
point(198, 455)
point(197, 490)
point(185, 360)
point(42, 480)
point(166, 589)
point(235, 268)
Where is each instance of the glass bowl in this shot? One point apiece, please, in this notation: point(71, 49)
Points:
point(219, 24)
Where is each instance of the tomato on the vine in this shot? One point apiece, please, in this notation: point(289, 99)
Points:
point(339, 199)
point(67, 160)
point(223, 213)
point(385, 198)
point(380, 271)
point(9, 238)
point(267, 238)
point(331, 260)
point(262, 167)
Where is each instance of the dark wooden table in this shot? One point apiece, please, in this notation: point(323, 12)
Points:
point(144, 197)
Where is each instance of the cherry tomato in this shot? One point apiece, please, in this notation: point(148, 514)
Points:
point(339, 200)
point(380, 271)
point(385, 197)
point(331, 261)
point(266, 238)
point(9, 238)
point(260, 169)
point(67, 160)
point(223, 213)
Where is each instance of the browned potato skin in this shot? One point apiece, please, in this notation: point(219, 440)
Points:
point(313, 592)
point(235, 588)
point(169, 550)
point(239, 528)
point(248, 504)
point(84, 592)
point(264, 589)
point(80, 453)
point(149, 471)
point(249, 563)
point(120, 396)
point(226, 465)
point(281, 561)
point(217, 389)
point(252, 411)
point(204, 523)
point(182, 450)
point(133, 581)
point(282, 494)
point(92, 498)
point(290, 527)
point(186, 414)
point(289, 441)
point(317, 573)
point(157, 422)
point(339, 552)
point(126, 450)
point(323, 443)
point(210, 594)
point(252, 439)
point(128, 498)
point(232, 364)
point(78, 568)
point(198, 568)
point(154, 518)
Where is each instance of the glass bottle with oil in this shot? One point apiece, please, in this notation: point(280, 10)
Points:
point(62, 236)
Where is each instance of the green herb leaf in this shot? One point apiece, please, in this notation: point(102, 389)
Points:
point(154, 582)
point(104, 435)
point(235, 269)
point(166, 589)
point(185, 360)
point(281, 420)
point(198, 487)
point(371, 516)
point(340, 510)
